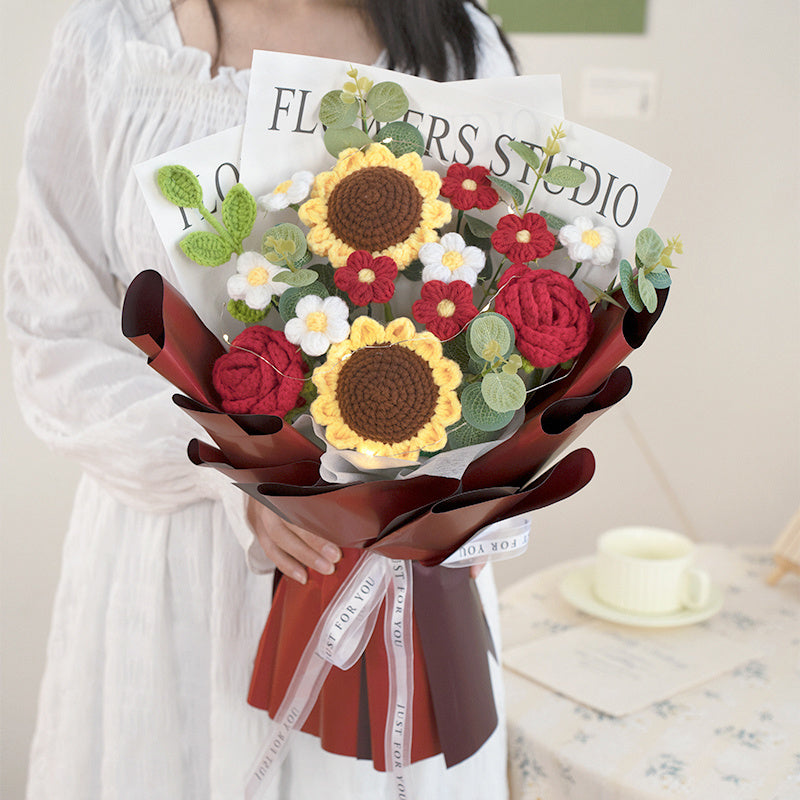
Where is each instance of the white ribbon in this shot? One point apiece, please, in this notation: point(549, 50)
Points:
point(342, 633)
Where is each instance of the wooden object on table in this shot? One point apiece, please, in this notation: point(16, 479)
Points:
point(786, 551)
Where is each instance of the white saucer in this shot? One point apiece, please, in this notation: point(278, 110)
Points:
point(576, 589)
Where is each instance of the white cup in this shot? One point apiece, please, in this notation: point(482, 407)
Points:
point(649, 571)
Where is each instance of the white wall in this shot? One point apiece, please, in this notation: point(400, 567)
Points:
point(708, 440)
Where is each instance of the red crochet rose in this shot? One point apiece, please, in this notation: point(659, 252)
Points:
point(523, 239)
point(444, 308)
point(550, 316)
point(469, 187)
point(262, 373)
point(366, 279)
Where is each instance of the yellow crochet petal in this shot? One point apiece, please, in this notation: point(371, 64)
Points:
point(400, 330)
point(340, 435)
point(366, 331)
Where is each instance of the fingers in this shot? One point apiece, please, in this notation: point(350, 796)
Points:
point(290, 548)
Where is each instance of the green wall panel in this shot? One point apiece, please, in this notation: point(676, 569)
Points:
point(571, 16)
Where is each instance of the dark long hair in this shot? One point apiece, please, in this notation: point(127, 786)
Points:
point(422, 35)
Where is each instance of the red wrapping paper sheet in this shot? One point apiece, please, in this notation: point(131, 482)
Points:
point(423, 518)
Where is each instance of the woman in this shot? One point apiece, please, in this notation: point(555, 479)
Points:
point(159, 610)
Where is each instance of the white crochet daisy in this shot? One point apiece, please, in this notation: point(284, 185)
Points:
point(254, 281)
point(587, 243)
point(451, 259)
point(295, 190)
point(320, 322)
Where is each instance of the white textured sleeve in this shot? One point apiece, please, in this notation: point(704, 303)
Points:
point(493, 58)
point(82, 387)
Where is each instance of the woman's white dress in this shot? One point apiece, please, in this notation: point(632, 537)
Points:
point(163, 591)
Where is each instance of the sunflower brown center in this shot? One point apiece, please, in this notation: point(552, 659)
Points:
point(374, 208)
point(386, 393)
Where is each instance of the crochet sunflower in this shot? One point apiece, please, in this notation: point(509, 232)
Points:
point(372, 200)
point(387, 391)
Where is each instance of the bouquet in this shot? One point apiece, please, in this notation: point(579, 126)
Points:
point(417, 344)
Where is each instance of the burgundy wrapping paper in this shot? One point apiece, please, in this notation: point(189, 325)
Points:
point(423, 519)
point(205, 455)
point(547, 431)
point(251, 440)
point(455, 708)
point(159, 321)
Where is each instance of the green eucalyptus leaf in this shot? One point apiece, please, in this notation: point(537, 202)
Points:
point(647, 292)
point(661, 280)
point(413, 271)
point(479, 228)
point(300, 277)
point(525, 153)
point(284, 240)
point(206, 248)
point(239, 212)
point(481, 243)
point(462, 434)
point(456, 350)
point(180, 186)
point(503, 392)
point(514, 191)
point(490, 327)
point(335, 112)
point(291, 297)
point(649, 247)
point(629, 286)
point(478, 414)
point(401, 138)
point(553, 222)
point(338, 139)
point(387, 101)
point(569, 177)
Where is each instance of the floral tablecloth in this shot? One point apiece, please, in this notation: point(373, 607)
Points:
point(735, 737)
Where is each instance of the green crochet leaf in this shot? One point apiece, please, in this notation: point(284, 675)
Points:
point(478, 414)
point(291, 297)
point(649, 247)
point(338, 139)
point(206, 248)
point(335, 113)
point(525, 153)
point(239, 212)
point(570, 177)
point(401, 138)
point(180, 186)
point(503, 392)
point(514, 191)
point(238, 309)
point(387, 101)
point(629, 286)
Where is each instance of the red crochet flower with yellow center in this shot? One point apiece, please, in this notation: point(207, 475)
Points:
point(551, 317)
point(366, 279)
point(469, 187)
point(523, 239)
point(444, 308)
point(262, 374)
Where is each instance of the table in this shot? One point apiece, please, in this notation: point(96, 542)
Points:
point(736, 737)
